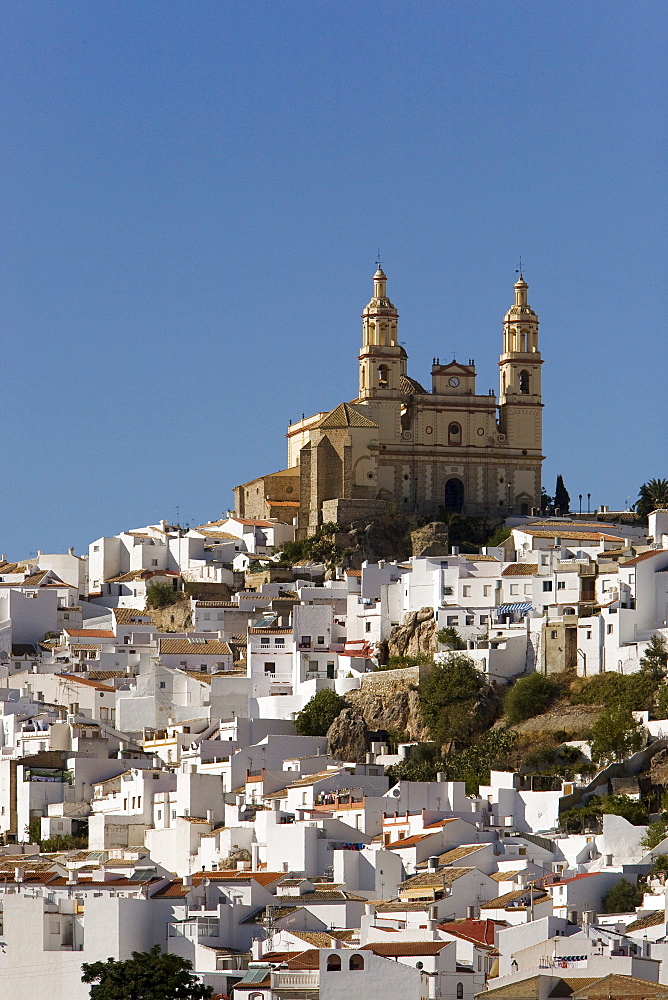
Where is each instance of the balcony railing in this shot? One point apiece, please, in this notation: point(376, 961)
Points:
point(295, 980)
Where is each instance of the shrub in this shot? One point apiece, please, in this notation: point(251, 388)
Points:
point(634, 692)
point(656, 832)
point(160, 595)
point(319, 713)
point(623, 897)
point(529, 696)
point(616, 735)
point(450, 637)
point(621, 805)
point(448, 696)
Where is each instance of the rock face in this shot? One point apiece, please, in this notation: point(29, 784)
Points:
point(394, 707)
point(431, 540)
point(416, 637)
point(347, 736)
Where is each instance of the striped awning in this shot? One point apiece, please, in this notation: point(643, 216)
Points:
point(507, 609)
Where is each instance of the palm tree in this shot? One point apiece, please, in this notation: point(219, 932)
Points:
point(652, 495)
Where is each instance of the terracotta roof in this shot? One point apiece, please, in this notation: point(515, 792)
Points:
point(526, 989)
point(620, 988)
point(320, 896)
point(354, 572)
point(405, 906)
point(130, 616)
point(257, 523)
point(283, 503)
point(589, 536)
point(410, 841)
point(90, 633)
point(408, 385)
point(501, 902)
point(481, 931)
point(457, 853)
point(506, 876)
point(470, 557)
point(434, 879)
point(225, 535)
point(409, 949)
point(651, 920)
point(272, 631)
point(642, 557)
point(86, 682)
point(198, 647)
point(520, 569)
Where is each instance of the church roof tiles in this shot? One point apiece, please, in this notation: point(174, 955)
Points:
point(345, 416)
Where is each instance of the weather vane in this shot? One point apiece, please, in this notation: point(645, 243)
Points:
point(518, 270)
point(378, 261)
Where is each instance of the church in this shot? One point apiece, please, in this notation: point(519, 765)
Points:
point(400, 445)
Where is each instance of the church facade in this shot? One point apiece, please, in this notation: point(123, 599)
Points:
point(419, 449)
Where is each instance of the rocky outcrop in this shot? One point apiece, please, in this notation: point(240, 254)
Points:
point(390, 705)
point(347, 736)
point(430, 540)
point(416, 637)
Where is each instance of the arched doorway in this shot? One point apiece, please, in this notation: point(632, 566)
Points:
point(454, 496)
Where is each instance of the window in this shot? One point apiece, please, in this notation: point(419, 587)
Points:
point(356, 963)
point(454, 434)
point(66, 616)
point(279, 642)
point(264, 640)
point(96, 548)
point(452, 620)
point(173, 813)
point(547, 585)
point(154, 562)
point(333, 963)
point(524, 382)
point(487, 591)
point(470, 619)
point(206, 616)
point(460, 990)
point(447, 591)
point(270, 668)
point(466, 591)
point(321, 640)
point(561, 585)
point(610, 629)
point(588, 634)
point(306, 640)
point(484, 619)
point(383, 376)
point(162, 684)
point(159, 813)
point(527, 588)
point(553, 633)
point(367, 626)
point(514, 588)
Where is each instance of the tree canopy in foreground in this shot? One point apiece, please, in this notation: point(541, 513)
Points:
point(148, 975)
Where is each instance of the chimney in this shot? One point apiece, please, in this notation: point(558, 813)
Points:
point(369, 910)
point(209, 815)
point(19, 872)
point(432, 863)
point(607, 860)
point(70, 552)
point(371, 758)
point(440, 776)
point(255, 857)
point(72, 877)
point(187, 880)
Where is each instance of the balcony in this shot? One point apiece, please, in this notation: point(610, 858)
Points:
point(295, 980)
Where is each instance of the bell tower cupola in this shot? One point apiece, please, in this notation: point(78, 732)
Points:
point(520, 361)
point(382, 359)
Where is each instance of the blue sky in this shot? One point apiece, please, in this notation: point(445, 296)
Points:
point(195, 194)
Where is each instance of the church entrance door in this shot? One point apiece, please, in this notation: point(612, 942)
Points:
point(454, 496)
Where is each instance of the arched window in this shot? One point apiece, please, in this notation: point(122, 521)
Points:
point(383, 376)
point(454, 434)
point(524, 382)
point(460, 991)
point(356, 963)
point(333, 963)
point(524, 341)
point(453, 499)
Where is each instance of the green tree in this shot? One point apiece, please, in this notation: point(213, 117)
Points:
point(448, 696)
point(562, 500)
point(622, 805)
point(656, 832)
point(660, 865)
point(651, 496)
point(633, 692)
point(655, 658)
point(160, 595)
point(450, 637)
point(499, 536)
point(529, 696)
point(319, 713)
point(615, 735)
point(661, 710)
point(148, 975)
point(623, 897)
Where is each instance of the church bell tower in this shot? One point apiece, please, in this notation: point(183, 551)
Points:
point(520, 401)
point(382, 359)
